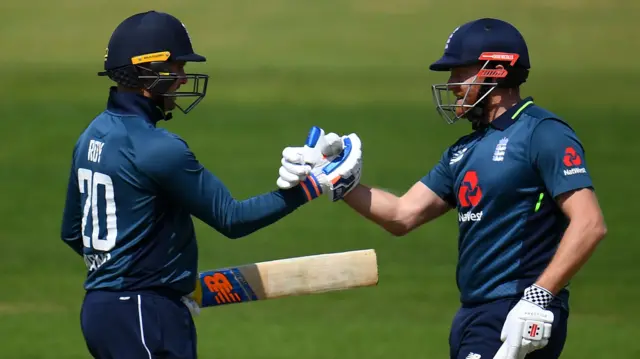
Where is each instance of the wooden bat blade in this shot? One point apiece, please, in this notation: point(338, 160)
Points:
point(287, 277)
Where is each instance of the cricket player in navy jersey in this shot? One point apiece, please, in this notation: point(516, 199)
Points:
point(528, 215)
point(133, 188)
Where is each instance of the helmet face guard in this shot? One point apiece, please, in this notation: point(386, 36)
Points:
point(453, 108)
point(158, 80)
point(152, 72)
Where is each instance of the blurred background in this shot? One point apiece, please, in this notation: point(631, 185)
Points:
point(278, 67)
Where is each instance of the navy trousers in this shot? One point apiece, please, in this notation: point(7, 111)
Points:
point(137, 325)
point(475, 332)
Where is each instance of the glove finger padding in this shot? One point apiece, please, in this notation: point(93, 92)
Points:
point(293, 168)
point(320, 148)
point(514, 340)
point(503, 353)
point(525, 335)
point(332, 145)
point(297, 170)
point(350, 177)
point(293, 155)
point(284, 184)
point(339, 176)
point(291, 174)
point(288, 176)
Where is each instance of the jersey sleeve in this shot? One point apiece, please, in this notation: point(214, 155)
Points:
point(174, 167)
point(559, 157)
point(440, 180)
point(71, 231)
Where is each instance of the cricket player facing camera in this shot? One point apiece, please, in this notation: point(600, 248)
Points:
point(133, 188)
point(528, 216)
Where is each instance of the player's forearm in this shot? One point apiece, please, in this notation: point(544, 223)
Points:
point(71, 230)
point(579, 241)
point(202, 194)
point(378, 206)
point(236, 219)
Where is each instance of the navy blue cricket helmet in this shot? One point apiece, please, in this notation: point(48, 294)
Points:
point(502, 54)
point(140, 53)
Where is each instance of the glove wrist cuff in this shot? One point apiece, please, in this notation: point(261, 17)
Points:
point(537, 295)
point(311, 187)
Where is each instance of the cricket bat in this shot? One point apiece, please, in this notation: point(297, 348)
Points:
point(287, 277)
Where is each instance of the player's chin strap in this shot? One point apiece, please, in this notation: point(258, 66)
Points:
point(159, 101)
point(477, 115)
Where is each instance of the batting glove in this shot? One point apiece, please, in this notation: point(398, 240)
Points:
point(297, 162)
point(528, 325)
point(335, 165)
point(339, 176)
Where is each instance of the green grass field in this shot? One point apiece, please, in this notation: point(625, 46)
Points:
point(278, 67)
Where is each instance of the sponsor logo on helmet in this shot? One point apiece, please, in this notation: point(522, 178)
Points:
point(153, 57)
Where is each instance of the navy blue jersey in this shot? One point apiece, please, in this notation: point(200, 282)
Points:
point(132, 190)
point(503, 180)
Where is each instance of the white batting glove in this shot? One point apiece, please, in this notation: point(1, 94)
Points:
point(194, 308)
point(336, 164)
point(339, 176)
point(297, 162)
point(528, 325)
point(292, 169)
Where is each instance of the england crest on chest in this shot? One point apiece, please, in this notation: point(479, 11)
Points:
point(501, 149)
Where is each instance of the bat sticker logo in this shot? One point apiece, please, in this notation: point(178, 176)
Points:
point(218, 283)
point(224, 286)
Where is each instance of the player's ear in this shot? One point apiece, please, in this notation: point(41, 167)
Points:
point(494, 79)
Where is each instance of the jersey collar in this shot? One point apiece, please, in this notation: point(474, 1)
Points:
point(511, 115)
point(130, 103)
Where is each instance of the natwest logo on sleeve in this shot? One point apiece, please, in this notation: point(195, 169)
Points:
point(572, 159)
point(469, 195)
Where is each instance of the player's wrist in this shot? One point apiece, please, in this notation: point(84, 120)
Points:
point(311, 187)
point(538, 295)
